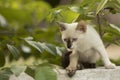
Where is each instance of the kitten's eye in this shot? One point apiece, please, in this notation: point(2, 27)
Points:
point(74, 39)
point(65, 39)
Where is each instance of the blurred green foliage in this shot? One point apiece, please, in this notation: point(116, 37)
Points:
point(28, 29)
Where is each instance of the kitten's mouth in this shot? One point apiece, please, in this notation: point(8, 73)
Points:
point(70, 49)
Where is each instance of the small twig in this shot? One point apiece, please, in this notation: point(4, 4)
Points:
point(107, 45)
point(99, 25)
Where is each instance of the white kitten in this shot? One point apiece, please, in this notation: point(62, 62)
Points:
point(85, 44)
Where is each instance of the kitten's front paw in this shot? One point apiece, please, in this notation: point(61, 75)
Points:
point(71, 70)
point(110, 66)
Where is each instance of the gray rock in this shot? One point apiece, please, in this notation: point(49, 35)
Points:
point(22, 76)
point(91, 74)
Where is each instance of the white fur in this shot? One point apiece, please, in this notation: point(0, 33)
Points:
point(87, 46)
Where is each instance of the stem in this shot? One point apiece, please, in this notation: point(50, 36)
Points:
point(65, 1)
point(99, 25)
point(107, 45)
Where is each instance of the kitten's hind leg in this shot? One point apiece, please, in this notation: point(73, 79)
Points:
point(80, 66)
point(89, 65)
point(107, 63)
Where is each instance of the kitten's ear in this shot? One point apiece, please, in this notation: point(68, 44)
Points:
point(81, 26)
point(61, 25)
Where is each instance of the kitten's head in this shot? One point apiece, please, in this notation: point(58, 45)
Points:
point(72, 33)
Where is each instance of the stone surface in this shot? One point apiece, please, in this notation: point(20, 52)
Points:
point(22, 76)
point(91, 74)
point(86, 74)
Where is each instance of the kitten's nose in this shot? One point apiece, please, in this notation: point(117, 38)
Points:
point(69, 46)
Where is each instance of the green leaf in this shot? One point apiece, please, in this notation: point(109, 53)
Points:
point(49, 47)
point(118, 1)
point(43, 46)
point(108, 38)
point(60, 50)
point(14, 51)
point(92, 5)
point(45, 73)
point(39, 9)
point(35, 45)
point(5, 74)
point(16, 15)
point(85, 2)
point(53, 15)
point(30, 71)
point(3, 22)
point(74, 9)
point(2, 59)
point(18, 69)
point(71, 17)
point(115, 27)
point(61, 14)
point(101, 5)
point(28, 38)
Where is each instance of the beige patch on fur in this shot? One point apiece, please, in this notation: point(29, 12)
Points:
point(62, 26)
point(81, 26)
